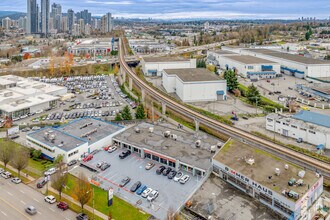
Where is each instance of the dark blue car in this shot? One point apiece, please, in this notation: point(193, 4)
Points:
point(141, 189)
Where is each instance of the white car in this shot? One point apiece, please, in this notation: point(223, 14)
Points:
point(50, 199)
point(99, 164)
point(16, 180)
point(39, 111)
point(112, 149)
point(153, 195)
point(6, 175)
point(1, 170)
point(184, 179)
point(146, 192)
point(178, 176)
point(51, 171)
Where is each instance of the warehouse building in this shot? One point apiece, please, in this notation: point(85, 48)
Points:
point(74, 139)
point(20, 96)
point(101, 47)
point(173, 147)
point(292, 64)
point(194, 85)
point(310, 127)
point(154, 66)
point(290, 191)
point(213, 56)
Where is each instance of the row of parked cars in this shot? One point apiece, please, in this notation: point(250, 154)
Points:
point(172, 174)
point(121, 94)
point(7, 175)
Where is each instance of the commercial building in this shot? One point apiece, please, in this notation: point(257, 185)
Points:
point(73, 139)
point(244, 65)
point(154, 66)
point(101, 47)
point(292, 64)
point(20, 96)
point(172, 147)
point(310, 127)
point(288, 190)
point(194, 84)
point(32, 17)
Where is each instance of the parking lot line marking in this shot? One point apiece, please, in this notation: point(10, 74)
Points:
point(22, 202)
point(36, 200)
point(4, 213)
point(10, 194)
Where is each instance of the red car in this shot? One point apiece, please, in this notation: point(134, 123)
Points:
point(106, 148)
point(63, 206)
point(88, 158)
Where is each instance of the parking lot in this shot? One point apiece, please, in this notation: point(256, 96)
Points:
point(171, 194)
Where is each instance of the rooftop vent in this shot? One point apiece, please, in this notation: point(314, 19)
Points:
point(219, 145)
point(301, 173)
point(167, 134)
point(174, 136)
point(137, 130)
point(151, 129)
point(277, 171)
point(213, 148)
point(286, 166)
point(250, 161)
point(198, 143)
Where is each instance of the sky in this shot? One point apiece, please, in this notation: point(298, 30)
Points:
point(165, 9)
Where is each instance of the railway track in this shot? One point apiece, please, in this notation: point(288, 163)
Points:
point(299, 158)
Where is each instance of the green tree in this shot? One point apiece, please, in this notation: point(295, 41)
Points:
point(231, 78)
point(140, 114)
point(126, 114)
point(59, 182)
point(21, 159)
point(201, 63)
point(118, 117)
point(307, 35)
point(36, 154)
point(6, 152)
point(253, 94)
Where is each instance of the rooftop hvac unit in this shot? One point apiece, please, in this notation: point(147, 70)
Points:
point(219, 145)
point(286, 166)
point(167, 134)
point(300, 182)
point(198, 143)
point(213, 149)
point(250, 161)
point(151, 129)
point(301, 173)
point(277, 171)
point(137, 130)
point(174, 136)
point(52, 137)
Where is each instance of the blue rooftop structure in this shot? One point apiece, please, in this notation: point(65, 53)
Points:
point(312, 117)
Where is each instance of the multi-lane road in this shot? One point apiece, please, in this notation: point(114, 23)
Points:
point(283, 152)
point(14, 198)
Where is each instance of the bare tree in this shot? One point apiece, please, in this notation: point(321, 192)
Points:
point(171, 215)
point(21, 159)
point(6, 151)
point(59, 182)
point(82, 191)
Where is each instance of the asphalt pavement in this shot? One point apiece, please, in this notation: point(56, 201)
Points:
point(14, 198)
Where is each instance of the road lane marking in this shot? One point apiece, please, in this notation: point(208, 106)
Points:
point(4, 213)
point(15, 208)
point(36, 200)
point(52, 209)
point(22, 191)
point(23, 202)
point(10, 194)
point(39, 212)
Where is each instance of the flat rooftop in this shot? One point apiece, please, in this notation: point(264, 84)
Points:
point(80, 127)
point(183, 148)
point(62, 140)
point(193, 74)
point(291, 57)
point(325, 90)
point(224, 52)
point(164, 59)
point(234, 153)
point(246, 59)
point(313, 117)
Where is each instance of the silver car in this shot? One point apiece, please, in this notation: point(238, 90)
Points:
point(31, 210)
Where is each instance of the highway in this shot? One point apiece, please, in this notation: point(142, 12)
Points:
point(14, 198)
point(282, 152)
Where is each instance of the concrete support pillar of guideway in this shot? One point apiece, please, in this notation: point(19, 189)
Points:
point(163, 108)
point(130, 83)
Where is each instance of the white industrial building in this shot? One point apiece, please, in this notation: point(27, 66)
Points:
point(290, 191)
point(194, 85)
point(293, 64)
point(247, 66)
point(154, 66)
point(310, 127)
point(74, 139)
point(99, 47)
point(20, 96)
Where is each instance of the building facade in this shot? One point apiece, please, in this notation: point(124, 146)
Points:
point(45, 16)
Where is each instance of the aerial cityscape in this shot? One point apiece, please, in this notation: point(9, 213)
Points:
point(169, 110)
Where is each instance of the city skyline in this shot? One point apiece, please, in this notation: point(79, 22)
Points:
point(191, 9)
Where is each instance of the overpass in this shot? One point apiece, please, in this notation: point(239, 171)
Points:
point(257, 142)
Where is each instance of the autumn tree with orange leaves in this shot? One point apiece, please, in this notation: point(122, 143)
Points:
point(82, 191)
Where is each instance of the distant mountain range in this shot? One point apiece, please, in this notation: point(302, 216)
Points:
point(11, 14)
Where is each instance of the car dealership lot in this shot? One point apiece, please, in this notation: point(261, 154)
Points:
point(171, 194)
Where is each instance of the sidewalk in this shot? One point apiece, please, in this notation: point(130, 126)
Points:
point(30, 178)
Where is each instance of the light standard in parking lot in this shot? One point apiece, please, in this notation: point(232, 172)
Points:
point(93, 202)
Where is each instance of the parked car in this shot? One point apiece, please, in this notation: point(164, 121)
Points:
point(153, 195)
point(124, 181)
point(42, 183)
point(51, 171)
point(88, 158)
point(50, 199)
point(178, 176)
point(124, 154)
point(146, 192)
point(62, 205)
point(82, 216)
point(31, 210)
point(160, 170)
point(172, 174)
point(6, 175)
point(184, 179)
point(1, 170)
point(149, 165)
point(99, 164)
point(72, 162)
point(112, 149)
point(135, 186)
point(16, 180)
point(105, 166)
point(141, 189)
point(167, 171)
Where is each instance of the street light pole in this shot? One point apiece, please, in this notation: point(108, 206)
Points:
point(93, 205)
